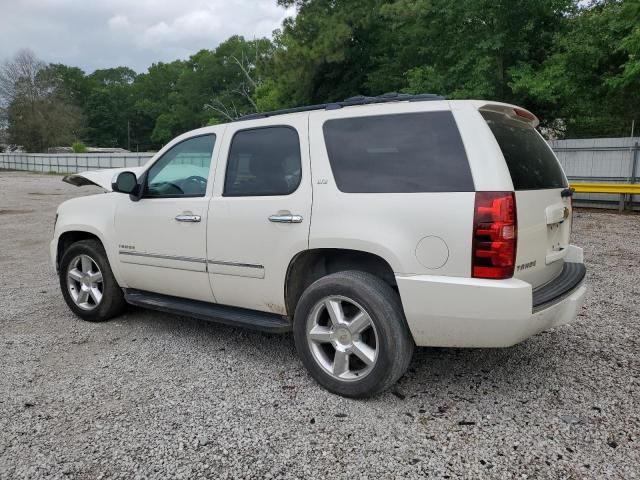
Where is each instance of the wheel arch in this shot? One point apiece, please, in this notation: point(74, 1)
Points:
point(309, 265)
point(69, 237)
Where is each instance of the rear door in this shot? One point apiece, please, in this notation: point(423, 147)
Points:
point(544, 215)
point(260, 212)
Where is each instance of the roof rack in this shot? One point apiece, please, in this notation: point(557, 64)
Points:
point(349, 102)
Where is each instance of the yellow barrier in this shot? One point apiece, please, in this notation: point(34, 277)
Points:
point(620, 188)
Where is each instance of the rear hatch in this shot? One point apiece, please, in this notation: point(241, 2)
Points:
point(543, 213)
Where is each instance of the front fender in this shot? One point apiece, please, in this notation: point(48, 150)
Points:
point(94, 215)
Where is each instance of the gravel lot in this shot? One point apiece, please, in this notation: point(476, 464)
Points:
point(152, 395)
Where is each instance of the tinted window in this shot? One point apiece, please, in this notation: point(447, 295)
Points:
point(531, 162)
point(183, 170)
point(410, 152)
point(263, 161)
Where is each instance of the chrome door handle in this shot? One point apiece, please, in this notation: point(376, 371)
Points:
point(188, 218)
point(287, 218)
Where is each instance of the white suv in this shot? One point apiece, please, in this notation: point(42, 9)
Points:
point(366, 227)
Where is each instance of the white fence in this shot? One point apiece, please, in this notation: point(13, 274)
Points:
point(599, 159)
point(589, 160)
point(70, 162)
point(607, 160)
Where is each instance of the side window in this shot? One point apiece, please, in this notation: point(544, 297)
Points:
point(263, 161)
point(398, 153)
point(183, 170)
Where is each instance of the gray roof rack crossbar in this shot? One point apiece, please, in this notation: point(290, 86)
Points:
point(349, 102)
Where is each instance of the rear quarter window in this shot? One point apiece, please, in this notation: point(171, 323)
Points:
point(400, 153)
point(530, 160)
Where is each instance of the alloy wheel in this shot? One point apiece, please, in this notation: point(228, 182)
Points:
point(84, 281)
point(342, 338)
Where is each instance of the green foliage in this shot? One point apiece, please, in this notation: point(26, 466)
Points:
point(575, 64)
point(325, 54)
point(268, 96)
point(121, 76)
point(40, 113)
point(109, 107)
point(71, 83)
point(166, 125)
point(590, 80)
point(464, 49)
point(79, 147)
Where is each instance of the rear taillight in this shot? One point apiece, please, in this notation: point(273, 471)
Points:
point(495, 229)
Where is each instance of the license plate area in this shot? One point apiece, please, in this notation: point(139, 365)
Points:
point(558, 228)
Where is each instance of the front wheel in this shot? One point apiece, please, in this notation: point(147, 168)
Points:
point(351, 335)
point(87, 282)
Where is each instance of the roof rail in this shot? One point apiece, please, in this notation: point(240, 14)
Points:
point(349, 102)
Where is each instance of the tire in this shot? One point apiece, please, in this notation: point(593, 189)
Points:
point(79, 280)
point(318, 333)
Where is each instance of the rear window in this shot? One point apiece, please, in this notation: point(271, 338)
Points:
point(409, 152)
point(531, 162)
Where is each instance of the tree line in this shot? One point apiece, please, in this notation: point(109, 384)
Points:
point(576, 64)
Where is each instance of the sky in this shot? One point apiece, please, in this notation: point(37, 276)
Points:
point(93, 34)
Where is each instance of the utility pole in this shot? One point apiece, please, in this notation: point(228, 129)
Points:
point(128, 135)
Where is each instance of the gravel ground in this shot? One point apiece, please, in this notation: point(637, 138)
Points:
point(151, 395)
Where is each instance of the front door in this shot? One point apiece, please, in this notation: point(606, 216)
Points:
point(161, 239)
point(260, 211)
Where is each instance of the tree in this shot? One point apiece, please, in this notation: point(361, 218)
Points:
point(121, 76)
point(590, 83)
point(109, 107)
point(337, 48)
point(575, 63)
point(36, 111)
point(71, 83)
point(325, 52)
point(242, 67)
point(154, 122)
point(17, 76)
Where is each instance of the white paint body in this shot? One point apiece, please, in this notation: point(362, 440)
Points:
point(426, 238)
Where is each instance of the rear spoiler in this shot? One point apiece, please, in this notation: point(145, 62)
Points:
point(513, 112)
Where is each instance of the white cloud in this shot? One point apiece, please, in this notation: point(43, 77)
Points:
point(136, 33)
point(119, 22)
point(199, 25)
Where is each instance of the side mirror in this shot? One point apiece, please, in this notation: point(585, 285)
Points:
point(125, 182)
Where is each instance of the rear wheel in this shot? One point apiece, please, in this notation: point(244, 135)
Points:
point(87, 282)
point(350, 332)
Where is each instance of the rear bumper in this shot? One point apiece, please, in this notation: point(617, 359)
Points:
point(470, 312)
point(570, 277)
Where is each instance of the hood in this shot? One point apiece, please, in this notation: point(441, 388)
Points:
point(102, 178)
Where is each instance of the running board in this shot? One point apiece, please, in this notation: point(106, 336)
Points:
point(232, 316)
